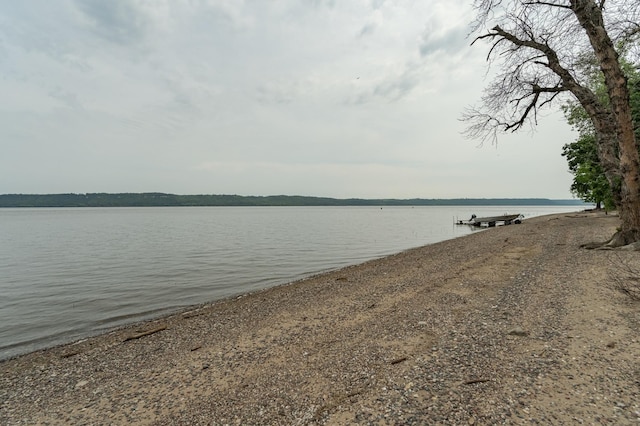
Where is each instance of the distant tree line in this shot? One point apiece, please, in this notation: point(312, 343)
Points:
point(156, 199)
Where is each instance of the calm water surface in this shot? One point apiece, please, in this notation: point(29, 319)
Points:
point(70, 273)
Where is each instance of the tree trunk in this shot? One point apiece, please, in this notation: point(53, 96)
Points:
point(607, 148)
point(590, 17)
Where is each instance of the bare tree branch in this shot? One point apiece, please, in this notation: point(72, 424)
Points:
point(545, 3)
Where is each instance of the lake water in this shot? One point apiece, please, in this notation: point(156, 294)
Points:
point(69, 273)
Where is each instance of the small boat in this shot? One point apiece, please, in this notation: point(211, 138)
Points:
point(491, 221)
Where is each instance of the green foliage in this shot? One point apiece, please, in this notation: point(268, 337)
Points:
point(589, 181)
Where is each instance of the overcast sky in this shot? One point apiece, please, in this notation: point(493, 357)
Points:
point(353, 98)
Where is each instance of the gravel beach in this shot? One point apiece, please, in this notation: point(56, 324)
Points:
point(510, 325)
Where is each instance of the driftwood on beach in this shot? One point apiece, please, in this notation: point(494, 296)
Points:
point(145, 333)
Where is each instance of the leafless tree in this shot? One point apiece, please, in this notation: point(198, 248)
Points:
point(546, 52)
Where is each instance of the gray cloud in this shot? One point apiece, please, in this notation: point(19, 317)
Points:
point(323, 3)
point(66, 97)
point(367, 29)
point(274, 93)
point(118, 21)
point(450, 40)
point(397, 89)
point(392, 88)
point(325, 98)
point(23, 27)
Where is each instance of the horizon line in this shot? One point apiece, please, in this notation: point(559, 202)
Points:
point(285, 195)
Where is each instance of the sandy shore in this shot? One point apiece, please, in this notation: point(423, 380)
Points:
point(514, 325)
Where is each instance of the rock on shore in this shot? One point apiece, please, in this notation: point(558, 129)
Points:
point(512, 325)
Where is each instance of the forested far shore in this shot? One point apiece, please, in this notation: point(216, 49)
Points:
point(155, 199)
